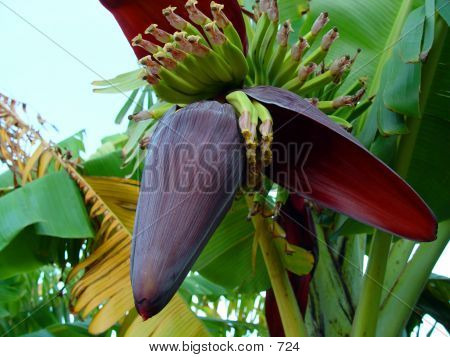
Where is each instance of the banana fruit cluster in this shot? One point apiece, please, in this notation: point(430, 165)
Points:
point(204, 58)
point(200, 60)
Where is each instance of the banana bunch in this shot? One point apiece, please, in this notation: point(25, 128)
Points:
point(191, 64)
point(204, 58)
point(303, 67)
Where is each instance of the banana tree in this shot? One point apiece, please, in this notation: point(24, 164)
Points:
point(202, 52)
point(235, 86)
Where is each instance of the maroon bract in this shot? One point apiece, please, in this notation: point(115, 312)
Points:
point(134, 16)
point(339, 173)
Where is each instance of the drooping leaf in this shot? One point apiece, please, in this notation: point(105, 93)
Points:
point(106, 278)
point(43, 204)
point(120, 195)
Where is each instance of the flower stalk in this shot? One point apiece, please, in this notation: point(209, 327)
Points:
point(291, 317)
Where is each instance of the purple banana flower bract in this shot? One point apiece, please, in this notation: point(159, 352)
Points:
point(193, 168)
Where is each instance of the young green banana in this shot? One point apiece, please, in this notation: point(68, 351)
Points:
point(169, 94)
point(231, 54)
point(290, 65)
point(261, 28)
point(333, 74)
point(214, 63)
point(181, 24)
point(197, 75)
point(298, 82)
point(145, 44)
point(329, 106)
point(226, 25)
point(320, 52)
point(278, 56)
point(178, 76)
point(266, 49)
point(194, 60)
point(317, 26)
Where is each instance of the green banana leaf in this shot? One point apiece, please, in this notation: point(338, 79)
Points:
point(195, 284)
point(108, 164)
point(52, 205)
point(6, 179)
point(428, 170)
point(362, 24)
point(118, 140)
point(220, 327)
point(61, 330)
point(11, 290)
point(38, 304)
point(38, 221)
point(434, 301)
point(74, 143)
point(369, 25)
point(227, 258)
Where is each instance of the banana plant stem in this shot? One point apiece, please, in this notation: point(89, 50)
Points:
point(291, 317)
point(404, 295)
point(366, 316)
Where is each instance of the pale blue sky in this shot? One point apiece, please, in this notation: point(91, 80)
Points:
point(35, 70)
